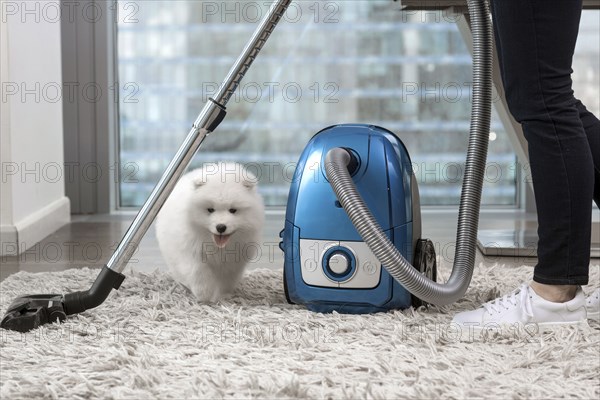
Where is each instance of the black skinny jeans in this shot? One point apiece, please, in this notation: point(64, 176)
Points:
point(535, 41)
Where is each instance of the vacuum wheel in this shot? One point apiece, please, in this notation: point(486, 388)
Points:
point(426, 263)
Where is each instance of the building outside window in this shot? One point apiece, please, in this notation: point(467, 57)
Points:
point(326, 63)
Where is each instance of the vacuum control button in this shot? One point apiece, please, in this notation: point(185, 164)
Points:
point(369, 267)
point(339, 263)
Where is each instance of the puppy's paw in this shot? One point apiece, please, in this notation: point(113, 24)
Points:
point(206, 294)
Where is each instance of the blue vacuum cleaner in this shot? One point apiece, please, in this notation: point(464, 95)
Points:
point(352, 236)
point(328, 266)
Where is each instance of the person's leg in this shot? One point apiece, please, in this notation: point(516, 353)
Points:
point(536, 41)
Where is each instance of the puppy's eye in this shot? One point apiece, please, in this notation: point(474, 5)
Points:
point(211, 210)
point(232, 210)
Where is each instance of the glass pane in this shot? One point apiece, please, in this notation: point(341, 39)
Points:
point(327, 63)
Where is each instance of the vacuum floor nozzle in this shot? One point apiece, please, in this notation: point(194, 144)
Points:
point(29, 312)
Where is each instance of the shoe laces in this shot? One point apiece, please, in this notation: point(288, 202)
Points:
point(518, 298)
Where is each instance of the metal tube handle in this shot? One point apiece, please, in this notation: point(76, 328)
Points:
point(250, 52)
point(210, 117)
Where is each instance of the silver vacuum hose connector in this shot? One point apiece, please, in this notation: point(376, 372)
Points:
point(468, 216)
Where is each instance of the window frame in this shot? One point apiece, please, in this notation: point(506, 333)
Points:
point(108, 191)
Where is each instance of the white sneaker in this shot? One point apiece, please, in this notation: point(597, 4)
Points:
point(521, 308)
point(593, 305)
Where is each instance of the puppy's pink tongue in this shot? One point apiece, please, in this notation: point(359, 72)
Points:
point(221, 240)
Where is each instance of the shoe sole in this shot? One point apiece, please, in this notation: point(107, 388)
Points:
point(594, 315)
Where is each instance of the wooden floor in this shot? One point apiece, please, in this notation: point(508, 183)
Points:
point(88, 241)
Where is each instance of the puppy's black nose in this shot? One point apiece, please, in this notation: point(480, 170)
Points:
point(221, 228)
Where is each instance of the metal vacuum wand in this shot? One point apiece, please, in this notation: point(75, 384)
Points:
point(29, 312)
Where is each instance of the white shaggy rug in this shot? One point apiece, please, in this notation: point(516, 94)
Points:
point(151, 339)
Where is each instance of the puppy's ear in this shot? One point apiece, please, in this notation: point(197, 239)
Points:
point(250, 183)
point(198, 182)
point(249, 180)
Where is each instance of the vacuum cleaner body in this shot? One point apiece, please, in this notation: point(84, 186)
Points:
point(327, 265)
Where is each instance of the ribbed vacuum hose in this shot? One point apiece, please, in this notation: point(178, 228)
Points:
point(468, 216)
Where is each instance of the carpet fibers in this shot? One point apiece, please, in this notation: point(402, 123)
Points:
point(151, 339)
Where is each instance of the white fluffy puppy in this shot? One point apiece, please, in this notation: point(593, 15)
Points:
point(210, 227)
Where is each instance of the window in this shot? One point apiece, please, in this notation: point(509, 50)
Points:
point(326, 63)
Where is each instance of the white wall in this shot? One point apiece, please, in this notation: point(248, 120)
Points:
point(33, 197)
